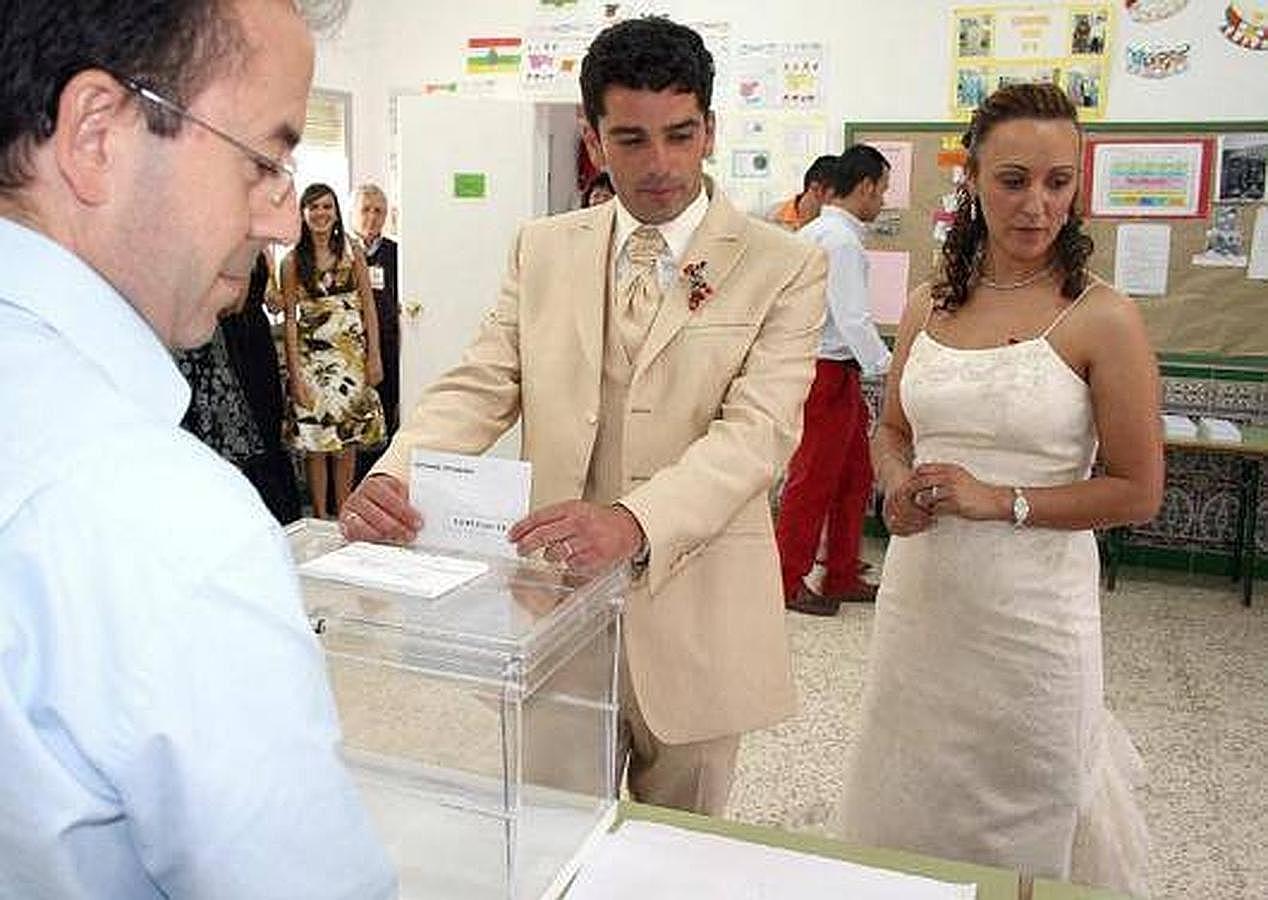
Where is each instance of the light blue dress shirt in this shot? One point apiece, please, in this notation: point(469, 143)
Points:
point(166, 729)
point(848, 332)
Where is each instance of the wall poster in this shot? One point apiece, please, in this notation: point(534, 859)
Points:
point(1161, 178)
point(1062, 43)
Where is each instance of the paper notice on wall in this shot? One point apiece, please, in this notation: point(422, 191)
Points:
point(1141, 258)
point(1259, 246)
point(779, 76)
point(551, 66)
point(898, 153)
point(887, 274)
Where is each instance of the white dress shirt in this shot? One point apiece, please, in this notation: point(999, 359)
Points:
point(848, 332)
point(166, 728)
point(677, 234)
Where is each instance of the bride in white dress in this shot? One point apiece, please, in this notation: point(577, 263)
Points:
point(984, 734)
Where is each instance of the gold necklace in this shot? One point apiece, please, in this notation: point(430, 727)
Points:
point(1014, 285)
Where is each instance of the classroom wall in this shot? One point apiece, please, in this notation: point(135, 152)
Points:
point(888, 61)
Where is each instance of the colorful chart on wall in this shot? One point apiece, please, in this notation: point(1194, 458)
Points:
point(1065, 44)
point(1166, 179)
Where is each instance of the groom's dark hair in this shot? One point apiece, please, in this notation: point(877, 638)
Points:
point(648, 54)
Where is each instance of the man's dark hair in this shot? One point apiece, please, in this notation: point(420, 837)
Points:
point(175, 47)
point(820, 172)
point(648, 54)
point(857, 164)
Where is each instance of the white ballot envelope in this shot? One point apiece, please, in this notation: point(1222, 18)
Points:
point(469, 503)
point(397, 569)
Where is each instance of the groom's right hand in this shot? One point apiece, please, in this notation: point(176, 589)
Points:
point(379, 510)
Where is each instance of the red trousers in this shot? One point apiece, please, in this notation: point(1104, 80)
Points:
point(829, 477)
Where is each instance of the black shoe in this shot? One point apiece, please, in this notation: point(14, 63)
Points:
point(860, 593)
point(812, 604)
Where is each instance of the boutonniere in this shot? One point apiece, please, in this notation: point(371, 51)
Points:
point(698, 288)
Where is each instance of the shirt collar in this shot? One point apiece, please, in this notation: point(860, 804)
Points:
point(74, 300)
point(677, 232)
point(855, 223)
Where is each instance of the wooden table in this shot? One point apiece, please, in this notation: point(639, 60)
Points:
point(1250, 454)
point(992, 883)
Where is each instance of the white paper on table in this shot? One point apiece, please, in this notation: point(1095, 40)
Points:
point(1141, 258)
point(1213, 428)
point(1259, 246)
point(645, 859)
point(469, 503)
point(1178, 426)
point(397, 569)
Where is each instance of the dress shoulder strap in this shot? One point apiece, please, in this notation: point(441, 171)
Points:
point(1092, 281)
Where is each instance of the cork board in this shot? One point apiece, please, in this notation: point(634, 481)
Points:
point(1206, 310)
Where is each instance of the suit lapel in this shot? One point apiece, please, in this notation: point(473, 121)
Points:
point(588, 282)
point(718, 243)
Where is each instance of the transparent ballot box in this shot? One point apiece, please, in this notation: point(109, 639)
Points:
point(479, 725)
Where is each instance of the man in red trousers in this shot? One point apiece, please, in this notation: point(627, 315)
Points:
point(830, 476)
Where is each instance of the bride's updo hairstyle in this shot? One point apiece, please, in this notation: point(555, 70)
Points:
point(966, 238)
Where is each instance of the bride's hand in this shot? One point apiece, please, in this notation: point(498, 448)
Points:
point(945, 489)
point(903, 516)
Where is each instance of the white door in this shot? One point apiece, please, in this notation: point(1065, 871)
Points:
point(453, 249)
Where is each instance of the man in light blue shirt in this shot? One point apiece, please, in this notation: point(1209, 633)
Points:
point(830, 476)
point(166, 729)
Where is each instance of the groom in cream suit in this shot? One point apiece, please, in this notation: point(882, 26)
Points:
point(658, 348)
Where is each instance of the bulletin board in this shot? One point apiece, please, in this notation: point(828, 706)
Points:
point(1212, 311)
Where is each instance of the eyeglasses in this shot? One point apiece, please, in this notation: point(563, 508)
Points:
point(280, 174)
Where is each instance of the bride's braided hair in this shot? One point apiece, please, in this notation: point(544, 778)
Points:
point(961, 253)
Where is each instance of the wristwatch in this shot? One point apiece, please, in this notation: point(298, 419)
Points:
point(1021, 508)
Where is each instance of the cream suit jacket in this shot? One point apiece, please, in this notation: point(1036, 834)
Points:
point(712, 415)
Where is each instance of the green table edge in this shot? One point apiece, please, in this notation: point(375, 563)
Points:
point(992, 883)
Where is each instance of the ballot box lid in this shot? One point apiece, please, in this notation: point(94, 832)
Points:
point(509, 627)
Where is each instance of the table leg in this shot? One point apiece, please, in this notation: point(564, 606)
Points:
point(1114, 539)
point(1248, 519)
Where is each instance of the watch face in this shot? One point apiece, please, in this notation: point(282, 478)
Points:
point(1021, 508)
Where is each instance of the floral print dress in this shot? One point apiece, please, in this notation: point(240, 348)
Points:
point(346, 410)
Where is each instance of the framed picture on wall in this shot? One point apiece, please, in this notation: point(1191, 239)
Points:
point(1243, 163)
point(1161, 179)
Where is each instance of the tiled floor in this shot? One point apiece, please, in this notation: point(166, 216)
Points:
point(1186, 672)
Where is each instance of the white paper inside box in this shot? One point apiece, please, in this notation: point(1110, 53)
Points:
point(480, 724)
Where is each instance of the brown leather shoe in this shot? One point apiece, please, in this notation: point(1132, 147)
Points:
point(812, 604)
point(860, 593)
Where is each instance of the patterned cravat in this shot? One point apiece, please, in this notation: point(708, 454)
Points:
point(639, 291)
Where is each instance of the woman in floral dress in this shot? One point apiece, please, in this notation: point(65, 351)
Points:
point(332, 348)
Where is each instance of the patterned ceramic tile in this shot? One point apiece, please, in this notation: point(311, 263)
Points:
point(1236, 400)
point(1186, 395)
